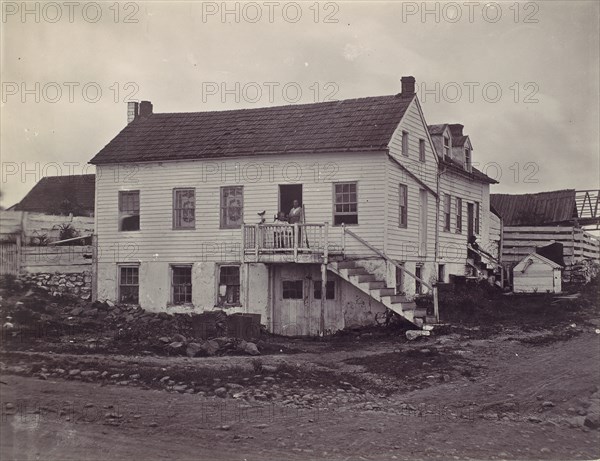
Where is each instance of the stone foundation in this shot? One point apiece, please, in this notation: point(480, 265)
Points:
point(78, 284)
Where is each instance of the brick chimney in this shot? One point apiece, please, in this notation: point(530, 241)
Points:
point(408, 86)
point(133, 110)
point(145, 108)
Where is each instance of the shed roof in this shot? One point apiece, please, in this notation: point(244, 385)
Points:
point(353, 124)
point(61, 195)
point(519, 267)
point(536, 209)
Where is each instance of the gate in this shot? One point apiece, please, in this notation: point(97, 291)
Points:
point(10, 256)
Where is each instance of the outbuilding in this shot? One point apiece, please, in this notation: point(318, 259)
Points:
point(537, 274)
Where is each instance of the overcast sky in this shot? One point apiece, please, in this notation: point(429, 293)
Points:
point(523, 78)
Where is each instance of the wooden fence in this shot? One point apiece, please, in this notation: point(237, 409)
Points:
point(578, 245)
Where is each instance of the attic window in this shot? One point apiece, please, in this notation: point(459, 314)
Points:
point(405, 143)
point(468, 159)
point(446, 147)
point(422, 150)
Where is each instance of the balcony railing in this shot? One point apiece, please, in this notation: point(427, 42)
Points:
point(287, 239)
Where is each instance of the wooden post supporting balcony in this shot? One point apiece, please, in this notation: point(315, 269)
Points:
point(296, 242)
point(326, 243)
point(323, 297)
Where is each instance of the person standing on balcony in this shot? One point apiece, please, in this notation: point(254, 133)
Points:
point(281, 234)
point(296, 216)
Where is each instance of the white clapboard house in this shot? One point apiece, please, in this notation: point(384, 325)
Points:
point(178, 197)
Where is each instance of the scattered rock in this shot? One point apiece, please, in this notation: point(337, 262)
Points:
point(414, 334)
point(221, 392)
point(193, 349)
point(248, 348)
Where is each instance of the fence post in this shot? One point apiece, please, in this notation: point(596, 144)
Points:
point(436, 307)
point(18, 253)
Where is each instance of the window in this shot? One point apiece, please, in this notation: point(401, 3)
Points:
point(458, 215)
point(184, 208)
point(422, 150)
point(129, 285)
point(232, 207)
point(330, 289)
point(345, 209)
point(447, 212)
point(418, 284)
point(405, 143)
point(476, 217)
point(441, 273)
point(129, 210)
point(403, 199)
point(292, 289)
point(181, 284)
point(446, 147)
point(229, 286)
point(468, 159)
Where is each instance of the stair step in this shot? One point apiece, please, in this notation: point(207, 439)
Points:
point(357, 271)
point(375, 285)
point(396, 298)
point(382, 292)
point(366, 278)
point(420, 312)
point(346, 264)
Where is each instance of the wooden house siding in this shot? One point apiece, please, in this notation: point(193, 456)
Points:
point(453, 245)
point(403, 243)
point(157, 241)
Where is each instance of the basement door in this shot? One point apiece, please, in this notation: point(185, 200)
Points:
point(291, 304)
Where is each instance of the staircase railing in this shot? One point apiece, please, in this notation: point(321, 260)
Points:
point(494, 261)
point(431, 287)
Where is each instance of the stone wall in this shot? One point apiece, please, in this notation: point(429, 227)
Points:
point(57, 283)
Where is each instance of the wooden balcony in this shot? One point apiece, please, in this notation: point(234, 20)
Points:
point(283, 243)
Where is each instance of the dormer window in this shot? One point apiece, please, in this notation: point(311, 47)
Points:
point(468, 159)
point(446, 147)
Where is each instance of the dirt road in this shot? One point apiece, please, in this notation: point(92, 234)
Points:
point(497, 398)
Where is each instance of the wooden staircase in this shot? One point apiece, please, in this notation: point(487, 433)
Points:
point(368, 283)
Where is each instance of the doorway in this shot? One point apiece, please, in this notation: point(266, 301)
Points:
point(287, 194)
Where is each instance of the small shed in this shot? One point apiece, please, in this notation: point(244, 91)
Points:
point(537, 274)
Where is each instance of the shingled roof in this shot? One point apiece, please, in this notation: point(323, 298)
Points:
point(61, 195)
point(337, 126)
point(536, 209)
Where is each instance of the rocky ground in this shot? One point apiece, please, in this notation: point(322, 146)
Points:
point(517, 392)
